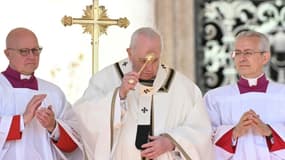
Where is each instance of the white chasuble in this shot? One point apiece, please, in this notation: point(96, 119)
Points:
point(35, 143)
point(173, 106)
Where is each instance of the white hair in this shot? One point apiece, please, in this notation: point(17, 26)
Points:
point(146, 31)
point(263, 40)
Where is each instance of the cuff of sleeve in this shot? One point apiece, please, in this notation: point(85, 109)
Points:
point(14, 131)
point(65, 143)
point(55, 133)
point(176, 153)
point(227, 142)
point(22, 124)
point(234, 142)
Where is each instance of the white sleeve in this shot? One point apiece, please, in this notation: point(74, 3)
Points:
point(5, 125)
point(120, 110)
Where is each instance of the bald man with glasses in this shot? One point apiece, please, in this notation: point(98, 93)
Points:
point(35, 118)
point(248, 117)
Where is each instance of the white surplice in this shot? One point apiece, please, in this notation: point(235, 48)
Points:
point(35, 143)
point(226, 106)
point(178, 113)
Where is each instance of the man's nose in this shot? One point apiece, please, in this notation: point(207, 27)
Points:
point(243, 56)
point(149, 66)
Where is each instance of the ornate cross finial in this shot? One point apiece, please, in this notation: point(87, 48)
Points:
point(95, 22)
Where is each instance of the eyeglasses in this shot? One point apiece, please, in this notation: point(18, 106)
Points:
point(26, 51)
point(246, 53)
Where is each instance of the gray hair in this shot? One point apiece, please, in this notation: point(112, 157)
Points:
point(263, 40)
point(146, 31)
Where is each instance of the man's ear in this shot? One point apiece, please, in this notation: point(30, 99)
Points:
point(7, 53)
point(267, 57)
point(129, 53)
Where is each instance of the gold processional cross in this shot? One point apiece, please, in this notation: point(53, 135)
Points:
point(95, 22)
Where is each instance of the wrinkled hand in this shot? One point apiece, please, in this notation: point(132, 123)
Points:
point(32, 106)
point(260, 127)
point(251, 120)
point(244, 124)
point(126, 86)
point(157, 146)
point(46, 118)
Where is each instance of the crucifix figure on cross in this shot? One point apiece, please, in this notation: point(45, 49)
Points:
point(95, 22)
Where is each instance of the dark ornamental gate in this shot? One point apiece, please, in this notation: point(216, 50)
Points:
point(221, 20)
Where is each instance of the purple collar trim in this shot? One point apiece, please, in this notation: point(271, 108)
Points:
point(261, 86)
point(15, 80)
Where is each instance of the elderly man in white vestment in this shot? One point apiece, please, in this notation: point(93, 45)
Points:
point(248, 117)
point(140, 109)
point(35, 118)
